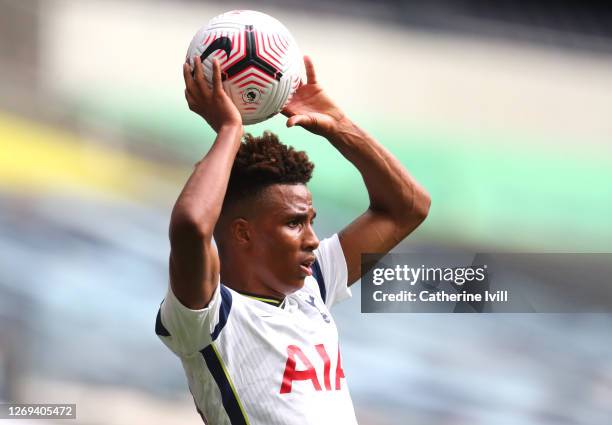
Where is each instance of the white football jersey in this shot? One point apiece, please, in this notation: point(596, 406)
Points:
point(249, 361)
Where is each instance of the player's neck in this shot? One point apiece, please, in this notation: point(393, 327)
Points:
point(240, 280)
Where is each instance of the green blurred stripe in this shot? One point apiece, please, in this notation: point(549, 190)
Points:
point(502, 190)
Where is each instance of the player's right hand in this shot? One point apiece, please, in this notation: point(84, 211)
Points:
point(211, 103)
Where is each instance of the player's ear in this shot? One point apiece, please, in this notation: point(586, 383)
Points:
point(240, 231)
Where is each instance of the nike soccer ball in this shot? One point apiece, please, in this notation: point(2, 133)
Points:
point(260, 62)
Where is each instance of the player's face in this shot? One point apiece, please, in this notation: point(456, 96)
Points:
point(283, 238)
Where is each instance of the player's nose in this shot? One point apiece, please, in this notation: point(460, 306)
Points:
point(310, 241)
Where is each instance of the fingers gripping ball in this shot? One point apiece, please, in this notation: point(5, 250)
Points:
point(260, 61)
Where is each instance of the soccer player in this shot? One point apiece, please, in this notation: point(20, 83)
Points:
point(248, 313)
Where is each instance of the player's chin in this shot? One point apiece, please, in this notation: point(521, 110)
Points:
point(299, 276)
point(293, 285)
point(298, 281)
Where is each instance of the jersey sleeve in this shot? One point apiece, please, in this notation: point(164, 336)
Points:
point(330, 271)
point(186, 331)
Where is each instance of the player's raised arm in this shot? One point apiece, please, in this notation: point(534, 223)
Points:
point(398, 204)
point(194, 261)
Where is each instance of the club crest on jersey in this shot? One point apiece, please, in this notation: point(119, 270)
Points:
point(311, 301)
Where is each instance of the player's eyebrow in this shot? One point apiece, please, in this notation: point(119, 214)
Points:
point(301, 215)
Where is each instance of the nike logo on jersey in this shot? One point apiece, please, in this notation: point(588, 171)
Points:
point(310, 373)
point(221, 43)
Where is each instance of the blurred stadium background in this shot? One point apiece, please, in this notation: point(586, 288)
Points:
point(501, 109)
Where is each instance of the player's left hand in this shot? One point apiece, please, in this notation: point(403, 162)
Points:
point(311, 108)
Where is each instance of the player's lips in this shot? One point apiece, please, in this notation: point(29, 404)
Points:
point(306, 270)
point(305, 266)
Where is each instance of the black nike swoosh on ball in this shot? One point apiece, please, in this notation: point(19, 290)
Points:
point(221, 43)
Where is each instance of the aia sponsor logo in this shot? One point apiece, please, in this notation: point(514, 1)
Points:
point(311, 370)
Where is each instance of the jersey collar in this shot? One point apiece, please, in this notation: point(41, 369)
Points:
point(266, 299)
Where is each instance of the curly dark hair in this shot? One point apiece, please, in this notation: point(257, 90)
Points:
point(264, 161)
